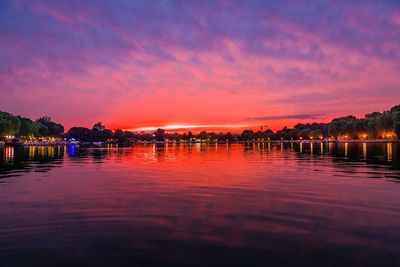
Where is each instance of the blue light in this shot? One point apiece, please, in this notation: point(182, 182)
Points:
point(72, 149)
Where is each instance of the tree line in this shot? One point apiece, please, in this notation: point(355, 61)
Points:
point(11, 125)
point(375, 125)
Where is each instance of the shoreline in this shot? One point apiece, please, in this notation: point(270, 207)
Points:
point(102, 144)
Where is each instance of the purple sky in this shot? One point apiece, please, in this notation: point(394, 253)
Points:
point(135, 64)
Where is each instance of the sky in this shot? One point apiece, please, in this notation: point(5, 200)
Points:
point(202, 64)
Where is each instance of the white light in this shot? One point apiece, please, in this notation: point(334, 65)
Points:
point(182, 126)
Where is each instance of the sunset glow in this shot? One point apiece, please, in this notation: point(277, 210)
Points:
point(182, 127)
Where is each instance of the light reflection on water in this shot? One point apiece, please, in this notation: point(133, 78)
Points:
point(201, 205)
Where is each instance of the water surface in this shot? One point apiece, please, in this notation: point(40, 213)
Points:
point(201, 205)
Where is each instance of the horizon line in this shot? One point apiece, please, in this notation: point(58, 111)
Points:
point(190, 126)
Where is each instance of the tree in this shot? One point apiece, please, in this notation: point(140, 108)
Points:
point(373, 115)
point(9, 124)
point(189, 136)
point(28, 127)
point(305, 133)
point(100, 136)
point(212, 136)
point(316, 134)
point(160, 135)
point(385, 122)
point(48, 127)
point(43, 130)
point(271, 135)
point(396, 119)
point(120, 135)
point(371, 129)
point(301, 126)
point(359, 127)
point(282, 134)
point(341, 126)
point(229, 137)
point(294, 134)
point(80, 133)
point(395, 109)
point(259, 135)
point(98, 127)
point(247, 135)
point(44, 119)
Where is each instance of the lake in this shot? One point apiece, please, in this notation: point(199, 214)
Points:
point(201, 205)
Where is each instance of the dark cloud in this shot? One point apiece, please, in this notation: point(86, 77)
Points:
point(286, 117)
point(105, 32)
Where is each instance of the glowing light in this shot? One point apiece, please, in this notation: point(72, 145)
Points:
point(183, 126)
point(365, 150)
point(388, 135)
point(389, 151)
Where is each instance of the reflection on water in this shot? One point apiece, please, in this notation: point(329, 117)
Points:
point(201, 205)
point(9, 154)
point(364, 150)
point(15, 161)
point(389, 152)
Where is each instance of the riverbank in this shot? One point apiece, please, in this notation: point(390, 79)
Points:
point(130, 143)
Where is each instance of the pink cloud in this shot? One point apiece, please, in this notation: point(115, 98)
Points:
point(83, 63)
